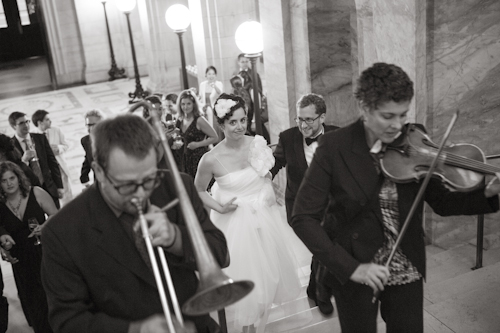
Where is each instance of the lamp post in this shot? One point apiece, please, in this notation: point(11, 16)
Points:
point(249, 40)
point(114, 72)
point(178, 18)
point(126, 6)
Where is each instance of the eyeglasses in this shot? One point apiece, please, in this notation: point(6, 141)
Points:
point(308, 121)
point(147, 184)
point(26, 122)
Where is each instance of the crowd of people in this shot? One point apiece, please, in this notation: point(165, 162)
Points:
point(94, 274)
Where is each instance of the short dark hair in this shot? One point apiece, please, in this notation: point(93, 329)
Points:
point(171, 97)
point(209, 68)
point(129, 133)
point(14, 116)
point(312, 99)
point(24, 183)
point(383, 83)
point(189, 94)
point(39, 115)
point(240, 103)
point(241, 55)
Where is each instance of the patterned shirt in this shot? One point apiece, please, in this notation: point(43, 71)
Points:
point(401, 269)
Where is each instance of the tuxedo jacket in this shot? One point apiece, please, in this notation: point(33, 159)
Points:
point(94, 277)
point(343, 177)
point(289, 153)
point(87, 162)
point(48, 163)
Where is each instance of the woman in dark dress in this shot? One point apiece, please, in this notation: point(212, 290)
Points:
point(195, 130)
point(21, 202)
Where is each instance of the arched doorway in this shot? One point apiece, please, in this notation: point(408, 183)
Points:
point(24, 66)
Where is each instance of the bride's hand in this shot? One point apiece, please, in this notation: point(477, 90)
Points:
point(228, 206)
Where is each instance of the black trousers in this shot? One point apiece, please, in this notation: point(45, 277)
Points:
point(401, 307)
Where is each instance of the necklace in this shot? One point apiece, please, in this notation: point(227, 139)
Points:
point(15, 210)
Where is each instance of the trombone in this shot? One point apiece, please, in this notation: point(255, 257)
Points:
point(215, 290)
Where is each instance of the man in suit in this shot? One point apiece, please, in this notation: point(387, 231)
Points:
point(95, 267)
point(38, 155)
point(295, 150)
point(368, 209)
point(92, 117)
point(170, 103)
point(59, 146)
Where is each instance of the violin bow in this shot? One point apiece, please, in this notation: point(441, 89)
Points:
point(419, 196)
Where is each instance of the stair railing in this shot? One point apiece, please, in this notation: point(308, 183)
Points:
point(480, 230)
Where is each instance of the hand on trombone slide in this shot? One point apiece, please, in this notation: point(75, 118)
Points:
point(162, 232)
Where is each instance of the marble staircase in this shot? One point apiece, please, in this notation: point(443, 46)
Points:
point(456, 298)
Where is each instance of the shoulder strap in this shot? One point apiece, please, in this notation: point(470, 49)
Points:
point(215, 156)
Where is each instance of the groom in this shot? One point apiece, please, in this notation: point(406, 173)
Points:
point(295, 151)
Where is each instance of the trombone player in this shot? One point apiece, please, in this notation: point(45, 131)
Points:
point(95, 269)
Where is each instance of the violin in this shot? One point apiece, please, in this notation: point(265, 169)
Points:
point(460, 166)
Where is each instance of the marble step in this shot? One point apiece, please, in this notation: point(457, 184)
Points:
point(456, 261)
point(469, 302)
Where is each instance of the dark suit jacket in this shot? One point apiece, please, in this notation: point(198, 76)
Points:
point(93, 275)
point(343, 176)
point(87, 162)
point(289, 153)
point(48, 163)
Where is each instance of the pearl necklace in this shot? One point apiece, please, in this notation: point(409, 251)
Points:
point(15, 210)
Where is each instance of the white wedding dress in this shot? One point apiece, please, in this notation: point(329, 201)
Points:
point(257, 237)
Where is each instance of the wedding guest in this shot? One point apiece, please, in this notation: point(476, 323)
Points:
point(209, 91)
point(23, 209)
point(92, 117)
point(37, 154)
point(195, 130)
point(57, 141)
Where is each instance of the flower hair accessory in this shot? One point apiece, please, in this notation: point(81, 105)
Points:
point(223, 106)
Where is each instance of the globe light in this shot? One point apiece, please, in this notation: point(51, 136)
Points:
point(178, 17)
point(125, 6)
point(248, 37)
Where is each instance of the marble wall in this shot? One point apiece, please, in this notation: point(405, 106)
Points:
point(463, 73)
point(329, 35)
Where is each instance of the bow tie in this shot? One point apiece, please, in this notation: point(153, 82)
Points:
point(311, 140)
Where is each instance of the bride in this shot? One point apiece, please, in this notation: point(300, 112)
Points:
point(244, 208)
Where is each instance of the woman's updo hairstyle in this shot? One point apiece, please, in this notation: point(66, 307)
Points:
point(240, 103)
point(383, 83)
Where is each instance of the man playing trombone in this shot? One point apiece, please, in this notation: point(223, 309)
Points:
point(96, 271)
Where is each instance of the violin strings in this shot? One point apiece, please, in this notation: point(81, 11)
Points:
point(460, 161)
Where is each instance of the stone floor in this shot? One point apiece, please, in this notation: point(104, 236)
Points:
point(456, 298)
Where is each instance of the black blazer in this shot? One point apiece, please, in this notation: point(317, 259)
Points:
point(343, 177)
point(87, 162)
point(289, 153)
point(47, 160)
point(94, 277)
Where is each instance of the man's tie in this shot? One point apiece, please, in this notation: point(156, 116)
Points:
point(140, 244)
point(311, 140)
point(34, 165)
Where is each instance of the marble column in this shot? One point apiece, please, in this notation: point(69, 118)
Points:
point(330, 52)
point(63, 37)
point(275, 17)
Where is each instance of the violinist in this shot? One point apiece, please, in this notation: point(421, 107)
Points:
point(366, 210)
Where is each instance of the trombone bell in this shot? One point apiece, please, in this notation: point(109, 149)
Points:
point(216, 292)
